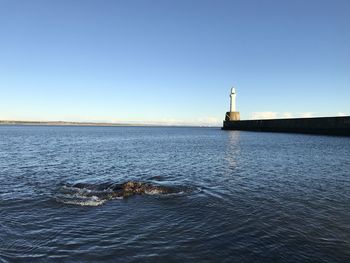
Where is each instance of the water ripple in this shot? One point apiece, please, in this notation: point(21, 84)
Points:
point(218, 196)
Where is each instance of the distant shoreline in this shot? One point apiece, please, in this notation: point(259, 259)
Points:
point(62, 123)
point(102, 124)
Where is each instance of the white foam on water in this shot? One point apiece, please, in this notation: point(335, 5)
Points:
point(91, 201)
point(84, 203)
point(153, 192)
point(78, 198)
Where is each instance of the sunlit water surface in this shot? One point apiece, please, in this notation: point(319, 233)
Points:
point(235, 196)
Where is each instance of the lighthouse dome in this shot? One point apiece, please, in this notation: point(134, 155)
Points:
point(233, 90)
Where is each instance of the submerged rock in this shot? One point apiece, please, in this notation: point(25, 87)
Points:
point(132, 188)
point(96, 194)
point(110, 191)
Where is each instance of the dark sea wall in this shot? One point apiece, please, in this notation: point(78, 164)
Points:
point(324, 125)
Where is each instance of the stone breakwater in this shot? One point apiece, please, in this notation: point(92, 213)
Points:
point(323, 125)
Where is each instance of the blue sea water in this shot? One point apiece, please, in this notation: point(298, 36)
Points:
point(236, 196)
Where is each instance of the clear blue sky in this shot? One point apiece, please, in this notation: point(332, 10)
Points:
point(173, 61)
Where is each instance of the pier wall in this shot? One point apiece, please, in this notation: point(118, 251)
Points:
point(324, 125)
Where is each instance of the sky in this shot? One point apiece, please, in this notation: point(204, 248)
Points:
point(173, 62)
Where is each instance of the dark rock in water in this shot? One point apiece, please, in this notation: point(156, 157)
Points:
point(143, 188)
point(96, 194)
point(110, 191)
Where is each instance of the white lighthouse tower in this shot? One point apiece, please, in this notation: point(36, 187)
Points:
point(233, 100)
point(232, 115)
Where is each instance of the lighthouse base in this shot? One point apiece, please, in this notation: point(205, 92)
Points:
point(232, 116)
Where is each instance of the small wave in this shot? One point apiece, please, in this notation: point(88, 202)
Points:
point(97, 194)
point(93, 201)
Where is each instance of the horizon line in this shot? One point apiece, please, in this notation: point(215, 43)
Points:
point(92, 123)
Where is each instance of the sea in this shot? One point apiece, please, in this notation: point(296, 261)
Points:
point(227, 196)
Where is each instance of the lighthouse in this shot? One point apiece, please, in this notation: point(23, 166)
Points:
point(232, 115)
point(233, 100)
